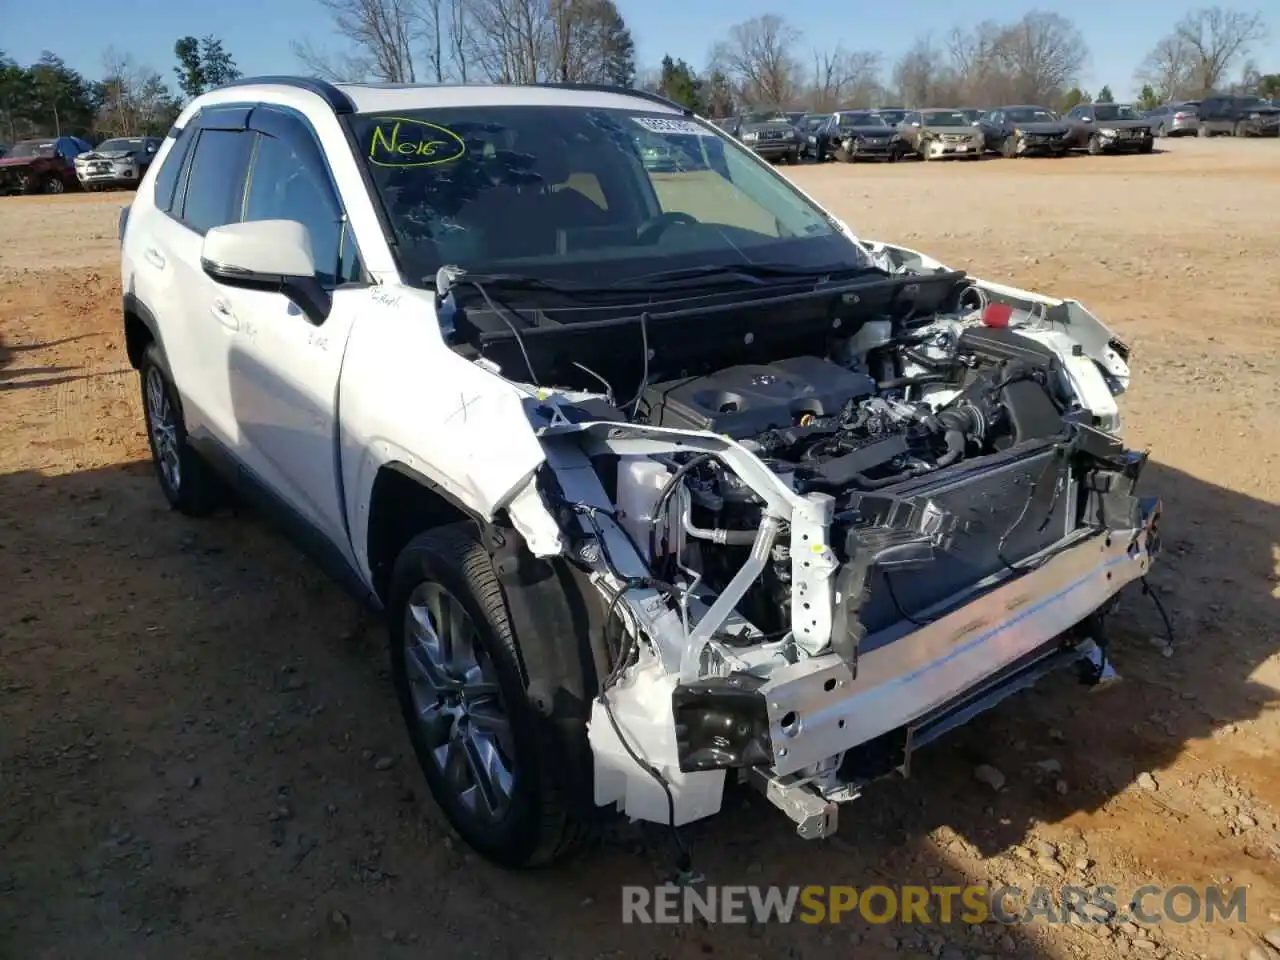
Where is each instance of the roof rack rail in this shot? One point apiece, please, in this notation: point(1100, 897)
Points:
point(338, 101)
point(622, 91)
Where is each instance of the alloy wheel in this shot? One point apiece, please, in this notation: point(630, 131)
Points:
point(457, 703)
point(162, 423)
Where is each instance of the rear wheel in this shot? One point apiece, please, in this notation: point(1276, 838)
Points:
point(187, 482)
point(484, 750)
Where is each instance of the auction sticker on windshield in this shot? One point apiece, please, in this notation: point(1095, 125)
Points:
point(402, 142)
point(672, 125)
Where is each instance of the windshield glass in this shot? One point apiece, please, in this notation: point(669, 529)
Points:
point(1114, 111)
point(945, 118)
point(973, 116)
point(590, 196)
point(1029, 115)
point(861, 120)
point(891, 117)
point(814, 121)
point(31, 148)
point(120, 143)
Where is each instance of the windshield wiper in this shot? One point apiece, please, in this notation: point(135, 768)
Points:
point(756, 273)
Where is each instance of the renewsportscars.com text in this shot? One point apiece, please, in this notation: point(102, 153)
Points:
point(975, 904)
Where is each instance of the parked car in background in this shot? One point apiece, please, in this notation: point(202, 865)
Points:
point(935, 134)
point(809, 126)
point(772, 135)
point(119, 162)
point(851, 135)
point(1238, 117)
point(893, 116)
point(1024, 130)
point(1108, 128)
point(990, 132)
point(41, 166)
point(1174, 119)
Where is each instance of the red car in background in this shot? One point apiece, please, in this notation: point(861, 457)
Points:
point(41, 166)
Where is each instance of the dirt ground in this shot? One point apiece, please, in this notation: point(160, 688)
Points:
point(199, 750)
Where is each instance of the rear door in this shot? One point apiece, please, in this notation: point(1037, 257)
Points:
point(198, 328)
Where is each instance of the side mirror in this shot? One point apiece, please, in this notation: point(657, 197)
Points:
point(269, 255)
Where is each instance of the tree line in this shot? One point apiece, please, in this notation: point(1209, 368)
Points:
point(48, 98)
point(499, 41)
point(1039, 58)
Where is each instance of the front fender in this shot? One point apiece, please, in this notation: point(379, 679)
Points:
point(406, 397)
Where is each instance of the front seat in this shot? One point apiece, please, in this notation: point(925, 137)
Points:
point(529, 220)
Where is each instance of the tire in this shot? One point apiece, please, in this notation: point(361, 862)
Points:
point(1095, 146)
point(187, 482)
point(1161, 131)
point(1200, 131)
point(524, 820)
point(1009, 148)
point(1237, 130)
point(1146, 146)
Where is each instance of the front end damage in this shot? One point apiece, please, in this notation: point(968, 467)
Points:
point(812, 569)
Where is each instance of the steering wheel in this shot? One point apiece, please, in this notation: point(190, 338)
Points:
point(654, 227)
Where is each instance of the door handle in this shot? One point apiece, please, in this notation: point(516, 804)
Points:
point(226, 316)
point(154, 257)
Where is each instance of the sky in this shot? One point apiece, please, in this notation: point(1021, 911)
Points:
point(258, 32)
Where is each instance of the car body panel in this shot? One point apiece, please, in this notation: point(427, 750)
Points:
point(1099, 124)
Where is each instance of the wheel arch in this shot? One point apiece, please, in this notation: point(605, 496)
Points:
point(140, 329)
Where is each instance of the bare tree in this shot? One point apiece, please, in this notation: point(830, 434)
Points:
point(1042, 54)
point(976, 63)
point(459, 36)
point(843, 78)
point(382, 35)
point(922, 77)
point(135, 100)
point(760, 57)
point(1167, 69)
point(1215, 38)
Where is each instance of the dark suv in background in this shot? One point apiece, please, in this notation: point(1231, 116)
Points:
point(1238, 117)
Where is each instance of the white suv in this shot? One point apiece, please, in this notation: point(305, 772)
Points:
point(656, 470)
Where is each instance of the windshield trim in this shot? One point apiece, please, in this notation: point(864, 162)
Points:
point(377, 201)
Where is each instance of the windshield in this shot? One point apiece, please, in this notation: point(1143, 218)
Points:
point(1114, 111)
point(891, 117)
point(120, 143)
point(1030, 115)
point(585, 196)
point(945, 118)
point(973, 116)
point(814, 121)
point(31, 148)
point(861, 120)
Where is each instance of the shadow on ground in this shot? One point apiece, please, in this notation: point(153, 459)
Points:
point(201, 754)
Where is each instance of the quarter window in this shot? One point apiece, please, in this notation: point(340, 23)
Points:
point(215, 183)
point(171, 169)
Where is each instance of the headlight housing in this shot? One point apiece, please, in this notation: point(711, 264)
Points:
point(1108, 131)
point(751, 135)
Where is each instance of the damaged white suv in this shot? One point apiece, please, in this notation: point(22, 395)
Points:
point(658, 472)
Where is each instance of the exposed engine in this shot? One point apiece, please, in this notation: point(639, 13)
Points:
point(938, 398)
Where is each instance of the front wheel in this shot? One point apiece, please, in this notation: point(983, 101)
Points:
point(187, 482)
point(1095, 145)
point(463, 694)
point(1009, 148)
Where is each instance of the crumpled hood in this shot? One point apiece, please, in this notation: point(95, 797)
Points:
point(1044, 127)
point(107, 155)
point(965, 131)
point(867, 130)
point(1121, 124)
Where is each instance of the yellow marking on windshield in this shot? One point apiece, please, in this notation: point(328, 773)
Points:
point(404, 142)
